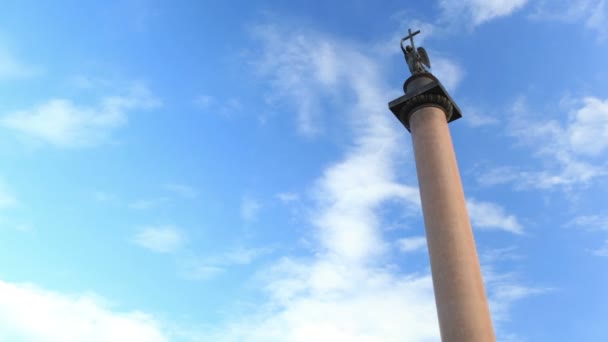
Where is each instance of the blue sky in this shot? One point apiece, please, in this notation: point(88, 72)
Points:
point(231, 172)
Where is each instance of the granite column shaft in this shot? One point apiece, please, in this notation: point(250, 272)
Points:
point(460, 296)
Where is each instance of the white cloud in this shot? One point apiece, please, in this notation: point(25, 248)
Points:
point(105, 197)
point(593, 13)
point(89, 82)
point(149, 203)
point(352, 189)
point(565, 174)
point(203, 101)
point(250, 208)
point(331, 301)
point(490, 216)
point(479, 11)
point(29, 313)
point(567, 150)
point(590, 222)
point(412, 244)
point(288, 197)
point(182, 190)
point(298, 78)
point(330, 296)
point(494, 255)
point(13, 68)
point(475, 118)
point(194, 270)
point(237, 256)
point(448, 71)
point(598, 19)
point(587, 130)
point(8, 223)
point(242, 256)
point(504, 289)
point(505, 294)
point(210, 267)
point(7, 200)
point(24, 227)
point(602, 251)
point(62, 123)
point(161, 239)
point(303, 76)
point(226, 107)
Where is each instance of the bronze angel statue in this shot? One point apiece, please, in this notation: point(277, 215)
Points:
point(416, 59)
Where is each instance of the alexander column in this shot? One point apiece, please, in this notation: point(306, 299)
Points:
point(425, 110)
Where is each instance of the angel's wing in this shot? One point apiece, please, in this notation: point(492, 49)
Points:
point(424, 58)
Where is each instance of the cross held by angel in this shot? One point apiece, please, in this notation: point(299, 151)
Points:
point(417, 59)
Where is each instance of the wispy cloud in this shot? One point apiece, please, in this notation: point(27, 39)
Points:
point(478, 11)
point(210, 267)
point(250, 208)
point(590, 222)
point(12, 67)
point(341, 278)
point(161, 239)
point(240, 256)
point(505, 292)
point(182, 190)
point(490, 216)
point(449, 72)
point(567, 150)
point(7, 199)
point(491, 256)
point(601, 251)
point(327, 300)
point(593, 13)
point(89, 82)
point(412, 244)
point(199, 271)
point(475, 117)
point(297, 80)
point(203, 101)
point(149, 203)
point(30, 313)
point(62, 123)
point(224, 107)
point(288, 197)
point(505, 289)
point(104, 197)
point(587, 131)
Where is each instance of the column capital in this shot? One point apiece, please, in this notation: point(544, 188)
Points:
point(423, 90)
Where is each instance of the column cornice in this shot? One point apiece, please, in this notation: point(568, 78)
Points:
point(423, 90)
